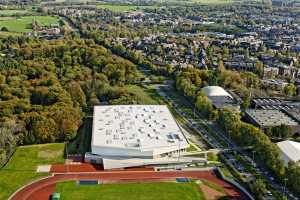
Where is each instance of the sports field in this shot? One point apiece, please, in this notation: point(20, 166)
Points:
point(21, 169)
point(23, 24)
point(13, 12)
point(142, 191)
point(212, 1)
point(123, 8)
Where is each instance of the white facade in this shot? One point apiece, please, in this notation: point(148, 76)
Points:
point(145, 131)
point(212, 91)
point(290, 151)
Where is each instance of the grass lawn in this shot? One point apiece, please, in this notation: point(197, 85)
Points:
point(23, 24)
point(21, 169)
point(123, 8)
point(213, 1)
point(141, 191)
point(13, 12)
point(146, 96)
point(6, 34)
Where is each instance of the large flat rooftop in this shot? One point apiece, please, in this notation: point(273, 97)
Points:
point(270, 118)
point(137, 127)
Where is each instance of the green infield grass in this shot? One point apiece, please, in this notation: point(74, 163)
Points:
point(141, 191)
point(21, 168)
point(23, 24)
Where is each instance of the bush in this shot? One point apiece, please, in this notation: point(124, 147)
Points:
point(4, 29)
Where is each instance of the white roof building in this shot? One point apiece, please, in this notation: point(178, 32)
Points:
point(290, 151)
point(212, 91)
point(135, 131)
point(219, 97)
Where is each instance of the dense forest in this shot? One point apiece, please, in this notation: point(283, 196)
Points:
point(46, 88)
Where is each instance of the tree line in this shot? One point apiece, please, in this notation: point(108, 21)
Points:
point(47, 87)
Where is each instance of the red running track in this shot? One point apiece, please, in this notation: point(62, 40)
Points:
point(87, 167)
point(42, 189)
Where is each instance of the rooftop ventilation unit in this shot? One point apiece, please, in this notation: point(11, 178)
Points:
point(141, 130)
point(140, 140)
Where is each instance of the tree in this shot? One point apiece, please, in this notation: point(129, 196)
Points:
point(246, 54)
point(225, 52)
point(246, 101)
point(76, 93)
point(5, 29)
point(8, 140)
point(293, 174)
point(203, 105)
point(67, 120)
point(281, 132)
point(290, 90)
point(230, 120)
point(259, 68)
point(45, 130)
point(221, 67)
point(259, 189)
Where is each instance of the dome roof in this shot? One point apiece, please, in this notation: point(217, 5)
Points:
point(215, 91)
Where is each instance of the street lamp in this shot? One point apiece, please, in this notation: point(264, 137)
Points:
point(66, 145)
point(253, 152)
point(179, 150)
point(228, 142)
point(284, 188)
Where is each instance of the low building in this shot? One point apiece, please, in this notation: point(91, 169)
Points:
point(275, 84)
point(136, 131)
point(269, 103)
point(268, 118)
point(219, 97)
point(136, 135)
point(290, 151)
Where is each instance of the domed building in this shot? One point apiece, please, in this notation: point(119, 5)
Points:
point(219, 97)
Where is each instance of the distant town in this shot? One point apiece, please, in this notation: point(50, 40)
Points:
point(194, 99)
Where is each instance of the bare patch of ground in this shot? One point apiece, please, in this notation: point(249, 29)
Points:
point(210, 193)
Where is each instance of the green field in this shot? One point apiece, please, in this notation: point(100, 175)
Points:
point(212, 1)
point(141, 191)
point(146, 96)
point(23, 24)
point(123, 8)
point(13, 12)
point(21, 169)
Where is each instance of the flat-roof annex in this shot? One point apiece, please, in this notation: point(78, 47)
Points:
point(138, 127)
point(270, 117)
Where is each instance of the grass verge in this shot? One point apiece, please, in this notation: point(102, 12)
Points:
point(23, 24)
point(21, 168)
